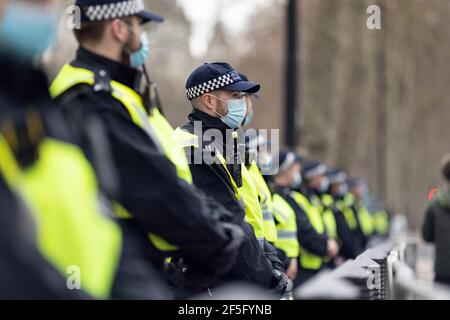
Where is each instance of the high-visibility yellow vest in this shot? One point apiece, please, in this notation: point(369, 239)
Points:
point(364, 218)
point(265, 200)
point(247, 194)
point(381, 222)
point(345, 206)
point(309, 260)
point(325, 206)
point(72, 233)
point(154, 124)
point(287, 239)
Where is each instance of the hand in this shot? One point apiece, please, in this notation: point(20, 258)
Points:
point(292, 269)
point(280, 283)
point(332, 248)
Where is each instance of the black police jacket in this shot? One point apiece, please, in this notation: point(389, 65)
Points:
point(25, 273)
point(349, 247)
point(251, 264)
point(23, 92)
point(149, 187)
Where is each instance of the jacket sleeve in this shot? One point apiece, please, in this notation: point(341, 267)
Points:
point(150, 188)
point(308, 237)
point(272, 255)
point(251, 264)
point(348, 245)
point(428, 225)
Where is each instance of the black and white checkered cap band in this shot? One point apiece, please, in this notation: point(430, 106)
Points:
point(319, 170)
point(209, 86)
point(341, 177)
point(288, 162)
point(102, 12)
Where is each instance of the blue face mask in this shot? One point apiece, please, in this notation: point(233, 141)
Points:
point(343, 189)
point(324, 184)
point(297, 181)
point(138, 58)
point(248, 119)
point(237, 109)
point(27, 30)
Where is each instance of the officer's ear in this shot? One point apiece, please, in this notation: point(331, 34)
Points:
point(119, 30)
point(209, 102)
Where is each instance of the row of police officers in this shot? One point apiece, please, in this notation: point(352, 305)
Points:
point(105, 199)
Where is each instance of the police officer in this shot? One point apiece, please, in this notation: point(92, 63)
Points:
point(359, 189)
point(287, 178)
point(48, 174)
point(216, 92)
point(317, 247)
point(159, 205)
point(252, 145)
point(346, 222)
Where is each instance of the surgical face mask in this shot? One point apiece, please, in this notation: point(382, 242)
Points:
point(297, 181)
point(248, 119)
point(264, 161)
point(343, 190)
point(27, 30)
point(138, 58)
point(237, 109)
point(324, 185)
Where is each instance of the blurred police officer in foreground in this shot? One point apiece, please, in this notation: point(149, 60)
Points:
point(41, 170)
point(160, 208)
point(216, 92)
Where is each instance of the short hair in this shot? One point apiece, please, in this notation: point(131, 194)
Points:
point(196, 103)
point(445, 166)
point(90, 31)
point(94, 31)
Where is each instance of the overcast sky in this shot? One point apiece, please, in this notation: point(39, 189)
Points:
point(205, 14)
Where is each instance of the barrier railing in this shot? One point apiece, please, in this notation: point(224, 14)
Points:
point(385, 272)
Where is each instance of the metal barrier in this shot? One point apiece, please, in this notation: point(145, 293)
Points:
point(385, 272)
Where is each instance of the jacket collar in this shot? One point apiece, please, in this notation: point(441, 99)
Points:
point(117, 71)
point(208, 122)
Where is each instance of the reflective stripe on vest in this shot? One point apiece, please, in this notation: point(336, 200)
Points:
point(286, 228)
point(61, 191)
point(155, 125)
point(309, 260)
point(265, 198)
point(349, 216)
point(247, 194)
